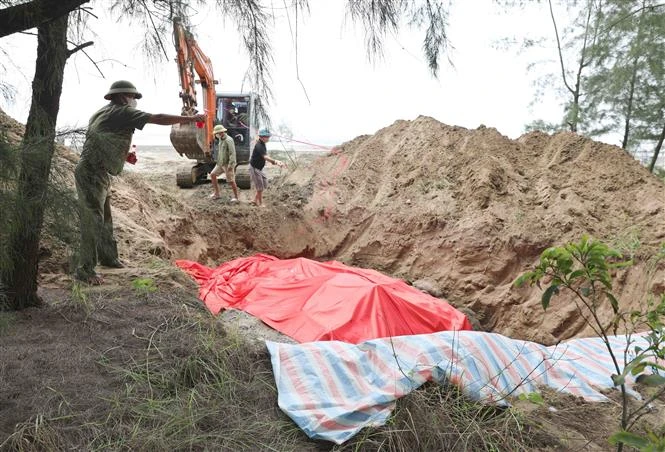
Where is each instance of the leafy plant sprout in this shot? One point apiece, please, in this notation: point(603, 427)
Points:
point(585, 269)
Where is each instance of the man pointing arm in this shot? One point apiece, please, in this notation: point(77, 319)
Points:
point(105, 151)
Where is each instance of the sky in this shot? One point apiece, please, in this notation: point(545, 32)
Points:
point(344, 94)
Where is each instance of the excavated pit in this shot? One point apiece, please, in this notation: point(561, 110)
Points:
point(457, 212)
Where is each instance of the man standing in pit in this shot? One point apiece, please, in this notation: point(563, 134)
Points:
point(226, 162)
point(256, 164)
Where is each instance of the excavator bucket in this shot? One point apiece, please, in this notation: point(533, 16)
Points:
point(189, 140)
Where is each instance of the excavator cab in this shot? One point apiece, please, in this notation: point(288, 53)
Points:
point(232, 110)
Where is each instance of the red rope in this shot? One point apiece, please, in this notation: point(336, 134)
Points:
point(303, 142)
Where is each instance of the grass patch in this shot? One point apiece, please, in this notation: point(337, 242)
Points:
point(627, 242)
point(213, 391)
point(440, 417)
point(191, 386)
point(36, 434)
point(144, 286)
point(81, 300)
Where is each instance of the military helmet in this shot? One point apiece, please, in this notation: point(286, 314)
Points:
point(264, 133)
point(218, 129)
point(122, 87)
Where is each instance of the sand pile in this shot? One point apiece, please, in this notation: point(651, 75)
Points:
point(466, 211)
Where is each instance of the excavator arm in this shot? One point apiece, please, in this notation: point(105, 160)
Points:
point(194, 142)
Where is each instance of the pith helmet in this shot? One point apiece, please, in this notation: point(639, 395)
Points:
point(122, 87)
point(218, 129)
point(264, 133)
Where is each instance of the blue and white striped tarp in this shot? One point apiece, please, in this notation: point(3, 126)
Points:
point(333, 389)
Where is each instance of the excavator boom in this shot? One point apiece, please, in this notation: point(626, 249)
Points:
point(188, 139)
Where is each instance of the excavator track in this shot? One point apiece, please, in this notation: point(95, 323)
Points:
point(242, 177)
point(186, 179)
point(198, 173)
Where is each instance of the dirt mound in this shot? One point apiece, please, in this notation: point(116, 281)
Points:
point(466, 211)
point(459, 213)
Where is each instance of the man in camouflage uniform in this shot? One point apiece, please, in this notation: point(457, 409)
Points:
point(105, 151)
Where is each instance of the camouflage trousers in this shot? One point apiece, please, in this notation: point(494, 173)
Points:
point(96, 240)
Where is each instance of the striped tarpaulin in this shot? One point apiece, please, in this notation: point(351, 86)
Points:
point(333, 389)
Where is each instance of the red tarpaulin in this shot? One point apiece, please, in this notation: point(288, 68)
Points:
point(314, 301)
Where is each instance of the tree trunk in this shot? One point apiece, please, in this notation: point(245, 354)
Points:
point(629, 109)
point(633, 81)
point(37, 147)
point(657, 150)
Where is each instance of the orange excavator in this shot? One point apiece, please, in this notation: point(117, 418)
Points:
point(232, 110)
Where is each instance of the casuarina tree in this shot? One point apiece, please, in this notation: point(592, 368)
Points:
point(19, 272)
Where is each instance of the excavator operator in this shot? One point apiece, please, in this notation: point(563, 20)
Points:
point(236, 118)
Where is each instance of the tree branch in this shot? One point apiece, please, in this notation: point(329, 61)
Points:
point(632, 13)
point(159, 39)
point(295, 43)
point(79, 47)
point(558, 46)
point(32, 14)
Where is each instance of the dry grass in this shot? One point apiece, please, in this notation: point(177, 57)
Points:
point(193, 386)
point(214, 390)
point(439, 417)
